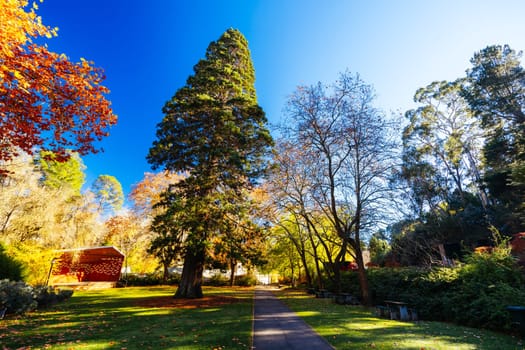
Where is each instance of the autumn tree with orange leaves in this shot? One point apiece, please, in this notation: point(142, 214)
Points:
point(46, 101)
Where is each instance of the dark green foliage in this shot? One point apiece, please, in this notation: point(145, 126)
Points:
point(47, 296)
point(150, 279)
point(460, 221)
point(16, 297)
point(10, 268)
point(213, 126)
point(475, 294)
point(168, 242)
point(486, 285)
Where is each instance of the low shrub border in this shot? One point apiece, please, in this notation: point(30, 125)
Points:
point(19, 297)
point(475, 293)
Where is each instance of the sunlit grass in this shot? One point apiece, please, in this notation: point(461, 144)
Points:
point(114, 319)
point(356, 327)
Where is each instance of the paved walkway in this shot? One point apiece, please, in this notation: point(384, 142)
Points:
point(275, 326)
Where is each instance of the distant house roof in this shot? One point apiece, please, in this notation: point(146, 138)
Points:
point(89, 264)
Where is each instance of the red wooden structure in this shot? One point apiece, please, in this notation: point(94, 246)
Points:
point(93, 267)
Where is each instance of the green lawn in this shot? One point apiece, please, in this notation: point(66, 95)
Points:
point(355, 327)
point(118, 319)
point(123, 319)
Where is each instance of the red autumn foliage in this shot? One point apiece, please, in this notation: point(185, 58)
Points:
point(46, 101)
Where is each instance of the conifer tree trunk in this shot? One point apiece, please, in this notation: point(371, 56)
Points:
point(191, 280)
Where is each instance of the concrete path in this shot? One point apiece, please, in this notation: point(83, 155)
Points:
point(275, 326)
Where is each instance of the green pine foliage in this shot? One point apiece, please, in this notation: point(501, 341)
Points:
point(213, 127)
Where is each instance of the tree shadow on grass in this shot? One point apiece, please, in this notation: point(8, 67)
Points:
point(131, 320)
point(357, 327)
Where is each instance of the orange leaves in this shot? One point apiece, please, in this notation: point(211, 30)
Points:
point(45, 99)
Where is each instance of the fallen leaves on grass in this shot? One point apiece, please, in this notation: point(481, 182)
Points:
point(170, 302)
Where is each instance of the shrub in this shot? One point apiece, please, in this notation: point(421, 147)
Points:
point(16, 297)
point(46, 296)
point(10, 268)
point(245, 280)
point(149, 279)
point(218, 280)
point(474, 294)
point(19, 297)
point(487, 284)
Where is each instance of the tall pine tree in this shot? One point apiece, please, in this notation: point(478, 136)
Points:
point(215, 131)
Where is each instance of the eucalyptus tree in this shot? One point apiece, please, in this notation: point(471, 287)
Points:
point(348, 145)
point(442, 146)
point(442, 165)
point(214, 130)
point(496, 93)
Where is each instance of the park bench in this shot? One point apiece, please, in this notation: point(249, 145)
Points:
point(323, 293)
point(345, 299)
point(517, 315)
point(397, 310)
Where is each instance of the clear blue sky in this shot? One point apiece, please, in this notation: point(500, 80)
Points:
point(148, 49)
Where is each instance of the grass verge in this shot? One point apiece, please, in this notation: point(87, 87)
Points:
point(356, 327)
point(136, 318)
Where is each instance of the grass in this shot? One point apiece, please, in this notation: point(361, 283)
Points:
point(356, 327)
point(122, 319)
point(119, 319)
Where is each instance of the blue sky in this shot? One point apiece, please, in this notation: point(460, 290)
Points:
point(149, 48)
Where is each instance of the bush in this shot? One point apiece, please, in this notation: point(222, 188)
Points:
point(46, 296)
point(10, 268)
point(246, 281)
point(475, 294)
point(487, 284)
point(19, 297)
point(16, 297)
point(218, 280)
point(149, 279)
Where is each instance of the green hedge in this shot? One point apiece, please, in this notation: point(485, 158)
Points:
point(149, 279)
point(474, 294)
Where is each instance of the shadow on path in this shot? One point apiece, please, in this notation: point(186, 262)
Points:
point(275, 326)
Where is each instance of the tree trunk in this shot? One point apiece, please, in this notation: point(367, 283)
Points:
point(305, 265)
point(233, 264)
point(190, 286)
point(336, 267)
point(363, 278)
point(166, 273)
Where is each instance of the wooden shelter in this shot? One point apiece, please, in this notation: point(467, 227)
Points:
point(86, 268)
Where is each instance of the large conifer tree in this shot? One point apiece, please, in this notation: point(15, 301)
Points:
point(215, 131)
